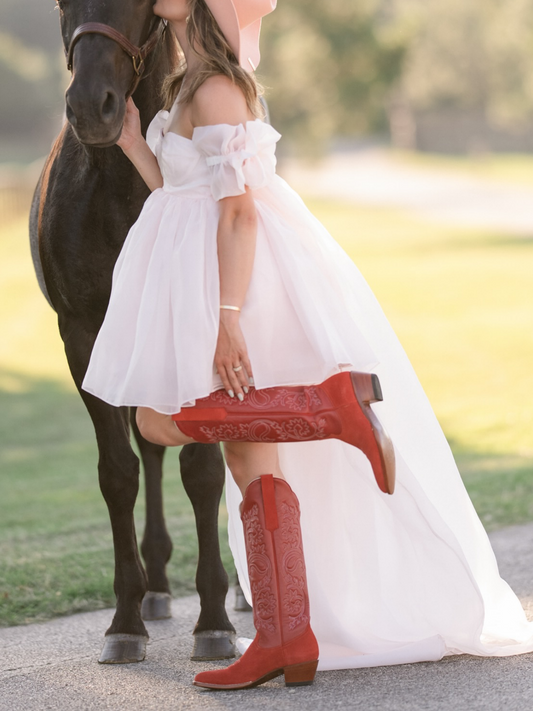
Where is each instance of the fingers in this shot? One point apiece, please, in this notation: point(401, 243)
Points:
point(236, 383)
point(230, 381)
point(231, 353)
point(131, 107)
point(244, 373)
point(222, 371)
point(247, 368)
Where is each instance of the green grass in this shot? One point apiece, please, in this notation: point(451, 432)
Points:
point(55, 540)
point(461, 302)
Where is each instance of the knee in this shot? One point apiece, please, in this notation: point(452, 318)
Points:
point(149, 427)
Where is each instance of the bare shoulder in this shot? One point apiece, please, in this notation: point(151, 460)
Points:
point(219, 100)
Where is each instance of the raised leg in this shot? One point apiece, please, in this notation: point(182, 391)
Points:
point(118, 471)
point(156, 546)
point(338, 408)
point(202, 472)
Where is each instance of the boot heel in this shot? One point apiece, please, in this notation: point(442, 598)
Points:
point(300, 674)
point(367, 387)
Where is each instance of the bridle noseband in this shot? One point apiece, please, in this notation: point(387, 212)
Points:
point(137, 54)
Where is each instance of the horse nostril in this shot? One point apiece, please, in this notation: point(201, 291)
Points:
point(109, 107)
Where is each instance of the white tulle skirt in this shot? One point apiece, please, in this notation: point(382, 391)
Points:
point(392, 579)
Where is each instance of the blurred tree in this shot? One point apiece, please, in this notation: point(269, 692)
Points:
point(32, 76)
point(335, 68)
point(328, 68)
point(469, 56)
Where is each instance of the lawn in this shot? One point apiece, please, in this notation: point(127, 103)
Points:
point(461, 302)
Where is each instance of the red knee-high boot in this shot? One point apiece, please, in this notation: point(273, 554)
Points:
point(284, 643)
point(337, 408)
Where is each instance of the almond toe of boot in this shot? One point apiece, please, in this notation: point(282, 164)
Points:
point(253, 668)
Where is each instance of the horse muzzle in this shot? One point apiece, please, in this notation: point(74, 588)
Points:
point(95, 114)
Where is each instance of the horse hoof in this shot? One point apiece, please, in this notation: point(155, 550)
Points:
point(123, 649)
point(213, 644)
point(156, 606)
point(241, 603)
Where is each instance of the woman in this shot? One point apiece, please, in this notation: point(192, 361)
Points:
point(225, 282)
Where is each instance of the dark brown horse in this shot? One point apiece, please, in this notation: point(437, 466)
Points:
point(87, 198)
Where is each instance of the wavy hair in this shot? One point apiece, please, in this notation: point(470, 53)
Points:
point(207, 42)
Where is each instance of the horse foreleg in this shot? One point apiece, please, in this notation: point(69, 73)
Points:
point(118, 471)
point(156, 546)
point(202, 472)
point(241, 603)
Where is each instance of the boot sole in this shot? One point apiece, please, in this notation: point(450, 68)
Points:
point(367, 389)
point(295, 675)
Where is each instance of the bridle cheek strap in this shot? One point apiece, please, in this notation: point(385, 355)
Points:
point(137, 54)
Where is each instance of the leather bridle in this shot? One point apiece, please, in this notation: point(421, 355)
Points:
point(137, 54)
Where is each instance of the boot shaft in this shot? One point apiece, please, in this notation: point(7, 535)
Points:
point(276, 565)
point(279, 414)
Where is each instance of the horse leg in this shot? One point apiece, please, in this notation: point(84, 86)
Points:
point(156, 546)
point(241, 603)
point(202, 472)
point(118, 472)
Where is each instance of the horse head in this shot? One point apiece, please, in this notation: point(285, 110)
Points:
point(106, 43)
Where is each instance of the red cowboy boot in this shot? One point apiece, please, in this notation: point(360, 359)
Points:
point(284, 643)
point(337, 408)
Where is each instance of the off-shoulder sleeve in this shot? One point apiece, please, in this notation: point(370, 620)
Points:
point(237, 156)
point(154, 132)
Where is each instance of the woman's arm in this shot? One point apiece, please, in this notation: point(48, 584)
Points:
point(237, 229)
point(135, 147)
point(219, 101)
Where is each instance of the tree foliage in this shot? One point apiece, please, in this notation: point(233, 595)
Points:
point(328, 68)
point(470, 55)
point(331, 68)
point(32, 76)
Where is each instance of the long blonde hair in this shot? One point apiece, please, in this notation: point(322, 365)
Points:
point(207, 41)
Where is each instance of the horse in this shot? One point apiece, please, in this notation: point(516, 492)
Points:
point(86, 199)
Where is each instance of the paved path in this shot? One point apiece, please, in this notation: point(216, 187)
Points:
point(53, 666)
point(372, 177)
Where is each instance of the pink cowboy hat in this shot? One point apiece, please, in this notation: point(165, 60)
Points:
point(240, 22)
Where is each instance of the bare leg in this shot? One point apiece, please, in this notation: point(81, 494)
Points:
point(160, 429)
point(248, 460)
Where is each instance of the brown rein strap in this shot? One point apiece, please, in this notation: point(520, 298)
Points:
point(137, 54)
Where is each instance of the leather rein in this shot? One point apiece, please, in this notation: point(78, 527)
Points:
point(137, 54)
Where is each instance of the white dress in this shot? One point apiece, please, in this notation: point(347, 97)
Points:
point(392, 579)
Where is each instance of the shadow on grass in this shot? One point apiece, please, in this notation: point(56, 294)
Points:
point(56, 552)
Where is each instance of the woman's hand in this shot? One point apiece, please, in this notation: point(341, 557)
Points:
point(137, 150)
point(231, 353)
point(131, 129)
